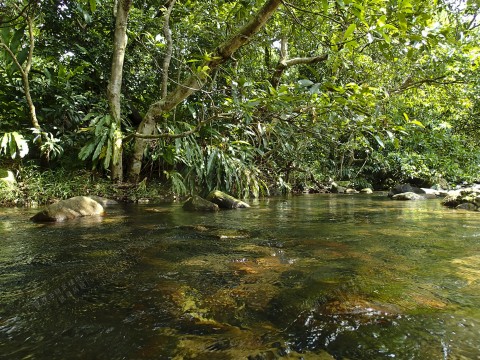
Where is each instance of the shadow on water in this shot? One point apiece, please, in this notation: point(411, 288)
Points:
point(316, 277)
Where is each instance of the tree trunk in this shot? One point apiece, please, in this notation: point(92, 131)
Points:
point(196, 81)
point(25, 71)
point(114, 89)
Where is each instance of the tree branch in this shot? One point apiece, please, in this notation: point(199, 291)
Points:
point(168, 56)
point(171, 136)
point(285, 63)
point(409, 83)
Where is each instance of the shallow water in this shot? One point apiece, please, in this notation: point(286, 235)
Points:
point(312, 277)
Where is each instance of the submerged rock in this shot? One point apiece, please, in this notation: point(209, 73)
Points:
point(196, 203)
point(467, 206)
point(68, 209)
point(408, 196)
point(225, 201)
point(103, 201)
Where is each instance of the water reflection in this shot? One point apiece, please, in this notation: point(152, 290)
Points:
point(358, 277)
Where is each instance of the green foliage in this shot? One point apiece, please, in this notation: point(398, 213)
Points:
point(396, 97)
point(14, 145)
point(103, 134)
point(9, 194)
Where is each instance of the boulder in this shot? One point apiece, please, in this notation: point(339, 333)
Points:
point(68, 209)
point(453, 198)
point(225, 201)
point(431, 192)
point(405, 188)
point(366, 191)
point(408, 196)
point(196, 203)
point(467, 199)
point(103, 201)
point(351, 191)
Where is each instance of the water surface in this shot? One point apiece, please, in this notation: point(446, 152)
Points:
point(312, 277)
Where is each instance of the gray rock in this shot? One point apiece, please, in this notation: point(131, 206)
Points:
point(404, 188)
point(467, 206)
point(453, 198)
point(68, 209)
point(103, 201)
point(408, 196)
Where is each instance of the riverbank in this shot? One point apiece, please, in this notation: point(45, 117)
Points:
point(32, 188)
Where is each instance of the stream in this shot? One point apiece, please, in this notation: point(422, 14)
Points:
point(303, 277)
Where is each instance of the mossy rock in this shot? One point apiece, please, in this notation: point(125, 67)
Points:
point(225, 201)
point(197, 203)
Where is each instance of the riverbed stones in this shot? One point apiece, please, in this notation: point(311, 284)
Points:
point(466, 199)
point(225, 201)
point(69, 209)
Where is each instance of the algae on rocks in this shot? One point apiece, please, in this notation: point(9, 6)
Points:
point(225, 201)
point(196, 203)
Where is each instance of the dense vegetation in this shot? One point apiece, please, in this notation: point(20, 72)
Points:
point(248, 96)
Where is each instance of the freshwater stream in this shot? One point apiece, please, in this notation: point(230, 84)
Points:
point(305, 277)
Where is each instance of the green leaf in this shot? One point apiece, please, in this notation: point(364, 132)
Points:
point(12, 147)
point(5, 34)
point(93, 5)
point(386, 37)
point(349, 32)
point(98, 150)
point(5, 140)
point(108, 154)
point(21, 144)
point(325, 6)
point(305, 82)
point(379, 141)
point(16, 39)
point(418, 123)
point(211, 159)
point(22, 55)
point(86, 151)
